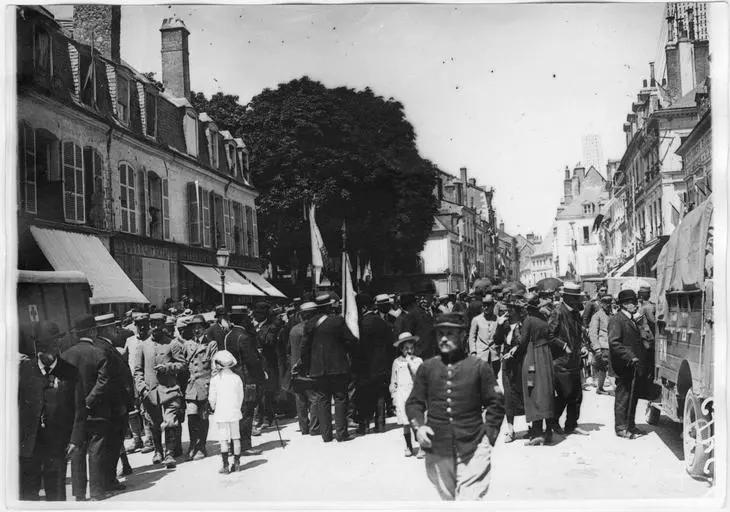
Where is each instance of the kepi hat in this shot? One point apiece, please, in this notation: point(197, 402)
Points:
point(450, 320)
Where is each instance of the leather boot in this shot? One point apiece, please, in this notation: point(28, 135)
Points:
point(203, 426)
point(157, 446)
point(194, 433)
point(170, 445)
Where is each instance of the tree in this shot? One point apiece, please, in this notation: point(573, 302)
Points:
point(150, 75)
point(351, 153)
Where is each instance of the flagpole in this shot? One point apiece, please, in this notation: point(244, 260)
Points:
point(344, 268)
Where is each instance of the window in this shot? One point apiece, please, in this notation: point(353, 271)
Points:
point(193, 191)
point(74, 207)
point(123, 100)
point(142, 212)
point(205, 197)
point(586, 235)
point(159, 206)
point(190, 128)
point(218, 229)
point(212, 134)
point(42, 55)
point(94, 187)
point(126, 198)
point(239, 231)
point(227, 224)
point(27, 167)
point(165, 209)
point(150, 107)
point(232, 160)
point(249, 231)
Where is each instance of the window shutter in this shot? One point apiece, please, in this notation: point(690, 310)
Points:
point(80, 186)
point(255, 251)
point(69, 203)
point(29, 164)
point(123, 195)
point(227, 224)
point(142, 190)
point(165, 209)
point(193, 214)
point(205, 197)
point(131, 201)
point(238, 229)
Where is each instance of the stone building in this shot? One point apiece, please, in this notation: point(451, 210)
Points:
point(109, 163)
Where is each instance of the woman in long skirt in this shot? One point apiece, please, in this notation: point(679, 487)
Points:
point(508, 335)
point(537, 373)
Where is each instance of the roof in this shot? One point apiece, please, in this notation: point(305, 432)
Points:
point(55, 277)
point(546, 246)
point(66, 250)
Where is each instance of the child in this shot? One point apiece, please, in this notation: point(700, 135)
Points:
point(226, 397)
point(401, 384)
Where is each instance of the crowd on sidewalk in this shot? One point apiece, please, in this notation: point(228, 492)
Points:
point(132, 383)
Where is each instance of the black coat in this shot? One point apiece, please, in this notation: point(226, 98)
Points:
point(93, 367)
point(566, 327)
point(374, 349)
point(59, 400)
point(419, 323)
point(326, 346)
point(241, 342)
point(217, 333)
point(121, 382)
point(625, 342)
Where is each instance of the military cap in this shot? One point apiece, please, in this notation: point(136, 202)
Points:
point(626, 296)
point(450, 320)
point(84, 322)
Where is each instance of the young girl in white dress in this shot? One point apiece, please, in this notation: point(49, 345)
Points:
point(401, 384)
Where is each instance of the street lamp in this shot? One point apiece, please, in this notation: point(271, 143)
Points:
point(221, 257)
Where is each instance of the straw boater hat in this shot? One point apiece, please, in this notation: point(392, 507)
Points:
point(382, 298)
point(403, 337)
point(224, 359)
point(140, 317)
point(307, 306)
point(157, 317)
point(323, 300)
point(572, 290)
point(220, 311)
point(105, 320)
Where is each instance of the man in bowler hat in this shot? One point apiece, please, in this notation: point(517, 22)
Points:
point(51, 417)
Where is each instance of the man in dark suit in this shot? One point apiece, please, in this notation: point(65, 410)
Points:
point(630, 344)
point(241, 342)
point(267, 328)
point(568, 340)
point(93, 368)
point(121, 394)
point(374, 350)
point(51, 413)
point(420, 324)
point(218, 330)
point(327, 342)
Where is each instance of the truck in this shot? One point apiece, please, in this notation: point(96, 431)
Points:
point(683, 356)
point(56, 296)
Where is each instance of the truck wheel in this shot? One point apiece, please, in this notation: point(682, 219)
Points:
point(695, 431)
point(652, 414)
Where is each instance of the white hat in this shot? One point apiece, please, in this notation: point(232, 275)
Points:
point(224, 359)
point(405, 336)
point(382, 298)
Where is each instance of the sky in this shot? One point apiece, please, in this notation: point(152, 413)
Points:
point(507, 91)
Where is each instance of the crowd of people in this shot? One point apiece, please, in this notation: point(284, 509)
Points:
point(432, 362)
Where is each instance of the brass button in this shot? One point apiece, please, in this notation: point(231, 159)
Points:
point(448, 409)
point(448, 383)
point(448, 391)
point(448, 400)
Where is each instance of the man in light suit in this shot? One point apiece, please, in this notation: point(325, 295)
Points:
point(481, 335)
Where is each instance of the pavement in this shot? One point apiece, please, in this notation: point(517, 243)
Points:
point(372, 467)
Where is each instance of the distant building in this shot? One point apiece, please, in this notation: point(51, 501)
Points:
point(696, 153)
point(526, 247)
point(592, 151)
point(507, 256)
point(541, 261)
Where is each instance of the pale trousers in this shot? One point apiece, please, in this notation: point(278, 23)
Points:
point(461, 479)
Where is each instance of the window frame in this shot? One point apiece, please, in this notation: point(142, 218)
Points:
point(26, 183)
point(78, 156)
point(586, 235)
point(194, 137)
point(37, 29)
point(126, 119)
point(147, 95)
point(128, 212)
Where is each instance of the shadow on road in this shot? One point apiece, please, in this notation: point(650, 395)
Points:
point(670, 433)
point(253, 464)
point(270, 445)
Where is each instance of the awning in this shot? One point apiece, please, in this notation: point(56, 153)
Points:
point(235, 284)
point(66, 250)
point(627, 268)
point(262, 283)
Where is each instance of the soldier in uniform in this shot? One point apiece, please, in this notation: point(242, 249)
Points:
point(241, 342)
point(646, 307)
point(51, 413)
point(182, 376)
point(158, 361)
point(137, 422)
point(199, 352)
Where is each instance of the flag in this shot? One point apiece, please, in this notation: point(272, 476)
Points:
point(367, 272)
point(597, 222)
point(349, 304)
point(675, 216)
point(359, 270)
point(319, 252)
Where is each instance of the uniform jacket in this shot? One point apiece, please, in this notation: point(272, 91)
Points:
point(326, 345)
point(199, 360)
point(452, 393)
point(161, 384)
point(57, 398)
point(419, 323)
point(565, 326)
point(626, 342)
point(648, 309)
point(121, 382)
point(93, 368)
point(374, 348)
point(481, 338)
point(591, 308)
point(241, 342)
point(598, 330)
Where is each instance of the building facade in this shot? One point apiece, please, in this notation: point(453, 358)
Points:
point(106, 154)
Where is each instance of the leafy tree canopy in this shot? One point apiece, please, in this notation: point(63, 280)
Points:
point(351, 153)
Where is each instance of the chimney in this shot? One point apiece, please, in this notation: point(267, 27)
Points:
point(651, 74)
point(567, 187)
point(644, 83)
point(691, 23)
point(686, 57)
point(100, 23)
point(670, 29)
point(175, 58)
point(463, 175)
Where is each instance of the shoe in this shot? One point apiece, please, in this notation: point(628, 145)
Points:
point(548, 437)
point(251, 452)
point(601, 391)
point(157, 458)
point(558, 429)
point(625, 434)
point(236, 466)
point(637, 431)
point(147, 449)
point(255, 431)
point(509, 437)
point(199, 455)
point(314, 432)
point(224, 470)
point(576, 431)
point(126, 471)
point(81, 498)
point(362, 429)
point(420, 454)
point(177, 452)
point(536, 441)
point(344, 439)
point(169, 462)
point(265, 425)
point(116, 486)
point(408, 452)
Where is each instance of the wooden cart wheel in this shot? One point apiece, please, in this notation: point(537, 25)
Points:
point(695, 433)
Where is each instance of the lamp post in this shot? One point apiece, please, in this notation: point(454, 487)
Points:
point(221, 258)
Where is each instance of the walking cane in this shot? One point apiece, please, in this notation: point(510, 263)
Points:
point(276, 423)
point(632, 414)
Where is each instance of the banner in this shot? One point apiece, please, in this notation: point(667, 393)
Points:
point(349, 304)
point(319, 252)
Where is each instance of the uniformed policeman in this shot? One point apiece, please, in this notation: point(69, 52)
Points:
point(157, 364)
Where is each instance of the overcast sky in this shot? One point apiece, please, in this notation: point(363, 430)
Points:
point(506, 90)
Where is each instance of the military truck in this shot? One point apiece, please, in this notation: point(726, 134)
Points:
point(684, 363)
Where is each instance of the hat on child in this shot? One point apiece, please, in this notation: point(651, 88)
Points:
point(224, 359)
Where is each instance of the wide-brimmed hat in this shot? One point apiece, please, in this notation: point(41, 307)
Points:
point(488, 299)
point(196, 320)
point(224, 359)
point(324, 300)
point(382, 298)
point(572, 290)
point(105, 320)
point(307, 306)
point(450, 320)
point(627, 296)
point(84, 322)
point(158, 317)
point(405, 336)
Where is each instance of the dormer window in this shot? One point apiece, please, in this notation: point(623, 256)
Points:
point(150, 106)
point(42, 55)
point(190, 129)
point(233, 167)
point(212, 133)
point(123, 100)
